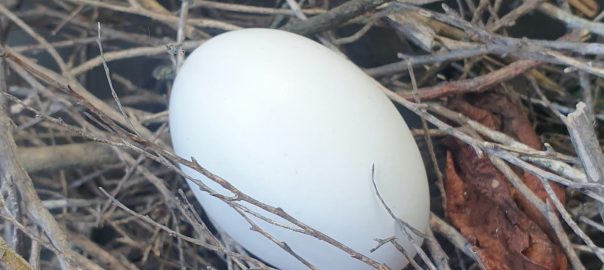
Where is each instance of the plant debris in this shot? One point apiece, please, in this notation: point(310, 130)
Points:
point(508, 232)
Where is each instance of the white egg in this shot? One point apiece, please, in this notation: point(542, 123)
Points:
point(296, 126)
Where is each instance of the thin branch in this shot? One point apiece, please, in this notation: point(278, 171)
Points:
point(332, 18)
point(10, 259)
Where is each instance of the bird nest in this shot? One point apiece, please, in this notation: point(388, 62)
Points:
point(502, 97)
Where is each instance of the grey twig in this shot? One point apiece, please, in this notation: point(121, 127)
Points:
point(332, 18)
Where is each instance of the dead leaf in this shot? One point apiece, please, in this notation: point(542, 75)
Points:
point(507, 231)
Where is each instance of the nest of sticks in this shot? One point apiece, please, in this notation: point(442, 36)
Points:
point(506, 94)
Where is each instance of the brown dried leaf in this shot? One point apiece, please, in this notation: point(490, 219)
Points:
point(508, 232)
point(515, 123)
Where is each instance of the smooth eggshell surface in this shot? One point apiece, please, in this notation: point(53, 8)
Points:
point(296, 126)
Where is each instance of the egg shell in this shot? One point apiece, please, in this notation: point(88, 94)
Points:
point(297, 126)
